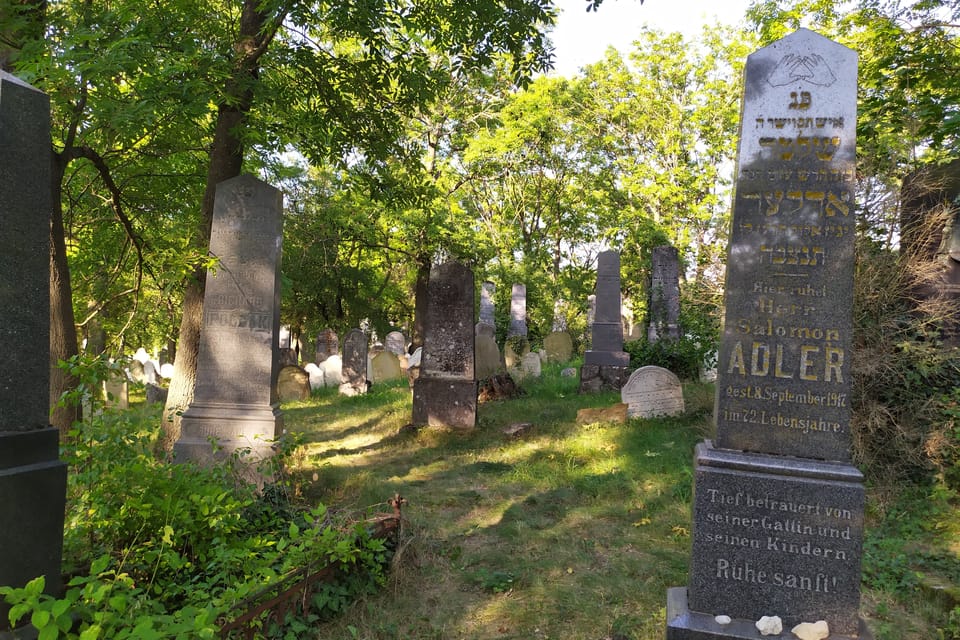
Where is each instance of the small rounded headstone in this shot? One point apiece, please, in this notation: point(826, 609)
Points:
point(652, 391)
point(166, 370)
point(317, 376)
point(293, 383)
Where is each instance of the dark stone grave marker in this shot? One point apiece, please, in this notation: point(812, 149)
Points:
point(445, 394)
point(664, 294)
point(518, 311)
point(778, 508)
point(327, 345)
point(353, 370)
point(605, 364)
point(33, 480)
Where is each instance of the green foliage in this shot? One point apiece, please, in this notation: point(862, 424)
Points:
point(166, 551)
point(684, 357)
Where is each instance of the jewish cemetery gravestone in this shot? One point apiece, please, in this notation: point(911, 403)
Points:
point(778, 508)
point(664, 309)
point(445, 393)
point(487, 317)
point(484, 329)
point(33, 480)
point(235, 398)
point(559, 318)
point(284, 338)
point(606, 364)
point(353, 370)
point(293, 383)
point(518, 311)
point(395, 343)
point(327, 345)
point(385, 366)
point(559, 347)
point(487, 356)
point(530, 365)
point(316, 375)
point(652, 391)
point(332, 370)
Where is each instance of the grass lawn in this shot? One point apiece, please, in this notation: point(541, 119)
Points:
point(569, 531)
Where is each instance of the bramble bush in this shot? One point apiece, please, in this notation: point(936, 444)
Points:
point(157, 550)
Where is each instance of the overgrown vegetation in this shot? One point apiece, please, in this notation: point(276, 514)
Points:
point(157, 550)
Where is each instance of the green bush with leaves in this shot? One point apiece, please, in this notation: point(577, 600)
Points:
point(158, 550)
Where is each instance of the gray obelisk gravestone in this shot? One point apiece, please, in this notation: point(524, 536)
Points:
point(445, 394)
point(664, 309)
point(235, 400)
point(778, 508)
point(33, 480)
point(487, 289)
point(518, 311)
point(606, 364)
point(353, 372)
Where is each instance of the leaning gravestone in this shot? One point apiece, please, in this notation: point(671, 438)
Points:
point(778, 508)
point(445, 393)
point(606, 364)
point(664, 309)
point(353, 370)
point(652, 391)
point(518, 311)
point(293, 383)
point(235, 398)
point(33, 480)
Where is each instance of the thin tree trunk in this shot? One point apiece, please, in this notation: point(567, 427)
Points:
point(226, 161)
point(63, 329)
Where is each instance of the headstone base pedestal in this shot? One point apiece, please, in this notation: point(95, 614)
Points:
point(683, 624)
point(596, 378)
point(452, 402)
point(247, 430)
point(31, 476)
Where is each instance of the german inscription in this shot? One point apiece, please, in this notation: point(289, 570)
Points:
point(784, 380)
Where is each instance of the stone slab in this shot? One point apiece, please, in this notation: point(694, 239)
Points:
point(445, 402)
point(606, 358)
point(488, 358)
point(559, 346)
point(353, 367)
point(449, 329)
point(293, 383)
point(487, 317)
point(664, 308)
point(596, 378)
point(776, 536)
point(684, 624)
point(518, 311)
point(33, 495)
point(653, 391)
point(235, 427)
point(25, 161)
point(385, 366)
point(784, 358)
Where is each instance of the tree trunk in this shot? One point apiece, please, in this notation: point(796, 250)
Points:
point(420, 301)
point(63, 329)
point(226, 161)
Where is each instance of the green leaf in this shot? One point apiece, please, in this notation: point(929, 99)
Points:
point(91, 633)
point(35, 586)
point(51, 632)
point(40, 619)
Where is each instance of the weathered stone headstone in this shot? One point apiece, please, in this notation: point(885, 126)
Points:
point(652, 391)
point(284, 339)
point(530, 365)
point(235, 399)
point(488, 357)
point(778, 508)
point(353, 371)
point(605, 364)
point(327, 345)
point(316, 375)
point(32, 477)
point(559, 347)
point(332, 370)
point(116, 393)
point(385, 366)
point(487, 316)
point(518, 311)
point(293, 383)
point(395, 343)
point(287, 357)
point(514, 349)
point(559, 318)
point(445, 393)
point(664, 307)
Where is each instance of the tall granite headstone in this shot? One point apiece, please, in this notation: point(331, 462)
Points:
point(235, 400)
point(518, 311)
point(445, 394)
point(606, 364)
point(33, 480)
point(778, 508)
point(487, 289)
point(327, 345)
point(353, 370)
point(664, 308)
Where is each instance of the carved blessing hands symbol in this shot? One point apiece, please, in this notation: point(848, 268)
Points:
point(793, 68)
